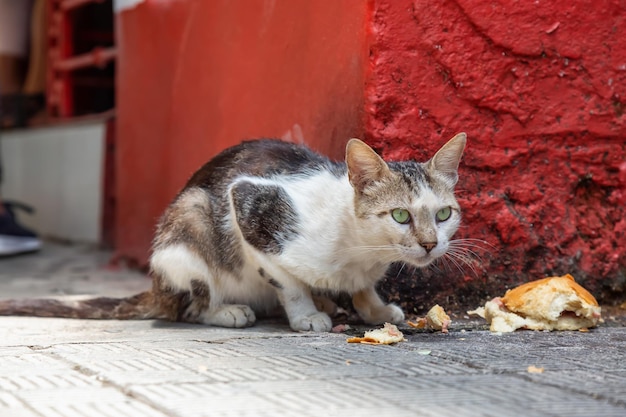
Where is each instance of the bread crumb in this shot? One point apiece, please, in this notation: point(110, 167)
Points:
point(389, 334)
point(436, 319)
point(420, 323)
point(532, 369)
point(340, 328)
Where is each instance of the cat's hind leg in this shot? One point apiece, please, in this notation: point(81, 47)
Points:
point(373, 310)
point(186, 290)
point(325, 304)
point(229, 315)
point(201, 310)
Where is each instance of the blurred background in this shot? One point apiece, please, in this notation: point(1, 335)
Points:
point(109, 106)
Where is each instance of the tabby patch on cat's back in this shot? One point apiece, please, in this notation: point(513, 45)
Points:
point(269, 224)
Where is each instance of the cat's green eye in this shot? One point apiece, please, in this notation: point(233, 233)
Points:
point(402, 216)
point(444, 214)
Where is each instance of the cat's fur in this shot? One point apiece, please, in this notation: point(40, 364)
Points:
point(269, 223)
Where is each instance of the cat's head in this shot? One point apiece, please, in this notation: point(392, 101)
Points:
point(406, 210)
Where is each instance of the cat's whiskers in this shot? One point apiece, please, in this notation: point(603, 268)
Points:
point(473, 243)
point(437, 263)
point(385, 253)
point(447, 262)
point(464, 253)
point(460, 260)
point(368, 248)
point(401, 269)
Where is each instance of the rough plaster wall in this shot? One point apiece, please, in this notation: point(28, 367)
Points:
point(540, 89)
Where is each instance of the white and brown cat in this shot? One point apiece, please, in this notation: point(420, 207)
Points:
point(269, 223)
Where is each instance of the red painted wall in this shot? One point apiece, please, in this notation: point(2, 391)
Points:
point(196, 76)
point(540, 88)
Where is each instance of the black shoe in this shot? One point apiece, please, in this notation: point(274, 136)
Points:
point(18, 109)
point(15, 239)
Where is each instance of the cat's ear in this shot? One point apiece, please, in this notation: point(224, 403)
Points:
point(446, 160)
point(364, 165)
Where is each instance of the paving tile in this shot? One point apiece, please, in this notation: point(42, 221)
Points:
point(10, 405)
point(98, 408)
point(56, 367)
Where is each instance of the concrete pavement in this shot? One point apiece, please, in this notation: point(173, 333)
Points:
point(59, 367)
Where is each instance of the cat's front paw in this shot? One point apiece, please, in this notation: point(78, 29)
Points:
point(389, 313)
point(316, 322)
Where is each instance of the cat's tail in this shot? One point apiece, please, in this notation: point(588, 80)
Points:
point(136, 307)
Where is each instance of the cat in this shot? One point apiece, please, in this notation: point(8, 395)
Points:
point(269, 223)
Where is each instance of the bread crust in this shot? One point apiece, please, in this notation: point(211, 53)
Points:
point(553, 303)
point(530, 297)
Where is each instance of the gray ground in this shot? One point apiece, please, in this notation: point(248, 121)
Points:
point(57, 367)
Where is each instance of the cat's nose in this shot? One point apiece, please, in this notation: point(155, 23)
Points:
point(428, 246)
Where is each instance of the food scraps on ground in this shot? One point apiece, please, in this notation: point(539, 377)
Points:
point(387, 335)
point(340, 328)
point(554, 303)
point(435, 319)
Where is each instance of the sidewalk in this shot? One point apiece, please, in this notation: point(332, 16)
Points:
point(57, 367)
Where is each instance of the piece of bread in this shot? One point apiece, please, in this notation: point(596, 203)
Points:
point(554, 303)
point(387, 335)
point(436, 319)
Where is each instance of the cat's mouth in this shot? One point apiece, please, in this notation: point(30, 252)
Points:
point(421, 260)
point(424, 261)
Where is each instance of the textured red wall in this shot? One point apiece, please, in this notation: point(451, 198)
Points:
point(197, 76)
point(540, 89)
